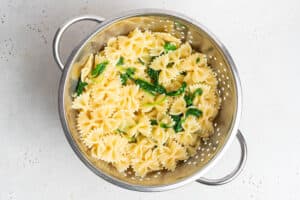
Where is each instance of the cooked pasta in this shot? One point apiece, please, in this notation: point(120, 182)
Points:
point(145, 102)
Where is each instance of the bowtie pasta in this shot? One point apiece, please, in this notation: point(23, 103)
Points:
point(145, 102)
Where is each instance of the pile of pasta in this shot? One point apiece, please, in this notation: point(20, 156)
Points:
point(145, 102)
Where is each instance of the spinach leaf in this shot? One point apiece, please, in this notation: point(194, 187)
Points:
point(178, 119)
point(193, 111)
point(120, 61)
point(127, 75)
point(169, 47)
point(80, 86)
point(164, 125)
point(177, 92)
point(189, 98)
point(198, 60)
point(148, 87)
point(99, 69)
point(153, 74)
point(153, 122)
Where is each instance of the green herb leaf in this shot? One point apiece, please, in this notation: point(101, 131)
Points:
point(193, 111)
point(153, 74)
point(198, 60)
point(130, 71)
point(124, 78)
point(127, 75)
point(120, 61)
point(169, 47)
point(184, 73)
point(178, 119)
point(153, 122)
point(197, 92)
point(170, 64)
point(148, 87)
point(141, 61)
point(120, 131)
point(177, 92)
point(99, 69)
point(189, 98)
point(132, 140)
point(163, 125)
point(80, 86)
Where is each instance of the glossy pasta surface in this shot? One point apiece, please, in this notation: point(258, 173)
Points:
point(145, 102)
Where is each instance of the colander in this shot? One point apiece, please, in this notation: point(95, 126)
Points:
point(229, 89)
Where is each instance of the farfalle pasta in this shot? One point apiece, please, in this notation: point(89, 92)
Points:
point(145, 101)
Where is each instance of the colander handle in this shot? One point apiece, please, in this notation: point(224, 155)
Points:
point(228, 178)
point(60, 31)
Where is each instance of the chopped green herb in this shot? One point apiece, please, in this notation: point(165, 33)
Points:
point(197, 92)
point(163, 125)
point(170, 64)
point(198, 60)
point(99, 69)
point(193, 111)
point(124, 78)
point(153, 74)
point(130, 71)
point(152, 58)
point(184, 73)
point(120, 61)
point(189, 98)
point(80, 86)
point(153, 122)
point(120, 131)
point(127, 75)
point(141, 61)
point(169, 47)
point(148, 87)
point(178, 119)
point(177, 92)
point(132, 140)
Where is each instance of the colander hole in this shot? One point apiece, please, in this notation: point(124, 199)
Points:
point(196, 157)
point(210, 56)
point(208, 154)
point(185, 161)
point(202, 154)
point(227, 94)
point(219, 79)
point(160, 20)
point(228, 86)
point(224, 98)
point(199, 148)
point(223, 82)
point(129, 172)
point(132, 178)
point(189, 33)
point(222, 65)
point(194, 163)
point(182, 37)
point(214, 148)
point(227, 77)
point(217, 142)
point(202, 159)
point(218, 134)
point(189, 163)
point(155, 176)
point(158, 173)
point(215, 58)
point(207, 150)
point(222, 88)
point(215, 124)
point(190, 41)
point(218, 129)
point(209, 144)
point(222, 76)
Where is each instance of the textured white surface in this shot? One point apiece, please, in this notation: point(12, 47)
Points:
point(37, 163)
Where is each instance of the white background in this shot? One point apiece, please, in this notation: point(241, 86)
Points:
point(36, 161)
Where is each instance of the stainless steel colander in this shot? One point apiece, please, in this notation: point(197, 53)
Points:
point(226, 123)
